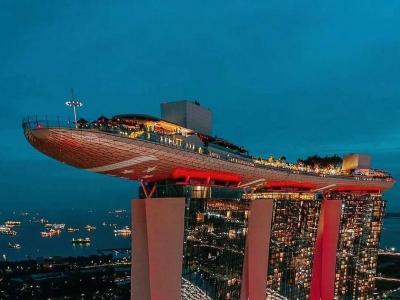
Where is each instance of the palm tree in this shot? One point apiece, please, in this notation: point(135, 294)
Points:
point(300, 162)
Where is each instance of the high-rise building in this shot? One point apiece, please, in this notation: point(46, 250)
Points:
point(214, 222)
point(293, 237)
point(359, 232)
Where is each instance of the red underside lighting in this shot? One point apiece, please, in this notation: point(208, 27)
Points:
point(219, 176)
point(39, 126)
point(292, 184)
point(359, 188)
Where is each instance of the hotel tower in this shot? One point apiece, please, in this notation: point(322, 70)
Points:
point(214, 222)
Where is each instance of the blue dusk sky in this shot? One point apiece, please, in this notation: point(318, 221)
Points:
point(289, 78)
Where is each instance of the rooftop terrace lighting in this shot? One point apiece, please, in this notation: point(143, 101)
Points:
point(73, 103)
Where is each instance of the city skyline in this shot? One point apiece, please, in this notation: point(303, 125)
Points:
point(274, 96)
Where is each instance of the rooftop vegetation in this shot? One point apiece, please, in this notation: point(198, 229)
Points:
point(316, 161)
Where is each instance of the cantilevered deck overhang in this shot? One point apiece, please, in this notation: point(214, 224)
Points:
point(147, 159)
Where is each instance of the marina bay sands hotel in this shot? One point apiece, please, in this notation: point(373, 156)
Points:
point(214, 222)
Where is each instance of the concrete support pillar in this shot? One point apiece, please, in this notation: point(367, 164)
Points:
point(255, 267)
point(157, 248)
point(324, 268)
point(315, 292)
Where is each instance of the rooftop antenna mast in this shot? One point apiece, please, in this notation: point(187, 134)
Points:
point(74, 104)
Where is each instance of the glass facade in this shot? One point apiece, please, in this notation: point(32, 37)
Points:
point(357, 251)
point(215, 237)
point(293, 237)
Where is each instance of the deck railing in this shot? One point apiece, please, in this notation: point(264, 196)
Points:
point(173, 140)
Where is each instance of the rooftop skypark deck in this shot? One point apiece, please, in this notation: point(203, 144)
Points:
point(154, 130)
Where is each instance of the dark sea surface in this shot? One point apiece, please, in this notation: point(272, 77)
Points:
point(34, 245)
point(390, 236)
point(103, 237)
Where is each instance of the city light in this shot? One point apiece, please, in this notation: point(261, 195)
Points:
point(304, 230)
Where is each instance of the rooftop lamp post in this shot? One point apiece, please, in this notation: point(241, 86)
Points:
point(73, 103)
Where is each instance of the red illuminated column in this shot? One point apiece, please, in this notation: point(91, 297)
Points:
point(324, 268)
point(255, 267)
point(157, 248)
point(329, 247)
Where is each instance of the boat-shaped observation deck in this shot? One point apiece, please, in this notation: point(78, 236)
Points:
point(148, 149)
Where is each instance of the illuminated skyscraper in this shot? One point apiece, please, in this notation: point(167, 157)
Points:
point(360, 228)
point(214, 222)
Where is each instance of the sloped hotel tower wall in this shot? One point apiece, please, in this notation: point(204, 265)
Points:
point(347, 246)
point(157, 237)
point(255, 267)
point(323, 275)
